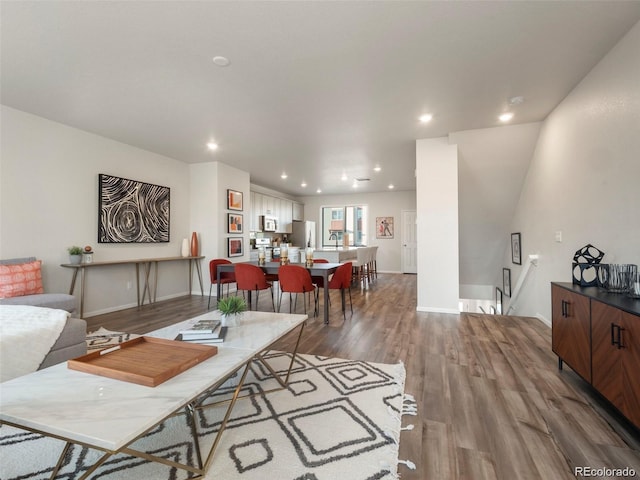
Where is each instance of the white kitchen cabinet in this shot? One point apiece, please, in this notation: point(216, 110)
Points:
point(297, 212)
point(285, 215)
point(268, 205)
point(283, 209)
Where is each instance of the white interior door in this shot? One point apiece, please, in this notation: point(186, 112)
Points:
point(409, 242)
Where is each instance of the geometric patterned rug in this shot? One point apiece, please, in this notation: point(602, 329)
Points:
point(338, 419)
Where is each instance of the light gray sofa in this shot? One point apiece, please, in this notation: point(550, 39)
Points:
point(72, 340)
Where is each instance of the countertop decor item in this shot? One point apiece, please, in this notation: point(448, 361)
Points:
point(619, 277)
point(75, 254)
point(87, 254)
point(194, 245)
point(231, 309)
point(634, 285)
point(585, 265)
point(184, 249)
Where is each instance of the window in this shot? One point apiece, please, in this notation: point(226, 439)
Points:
point(350, 219)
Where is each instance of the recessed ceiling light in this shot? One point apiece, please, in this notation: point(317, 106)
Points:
point(318, 191)
point(391, 187)
point(505, 117)
point(283, 176)
point(221, 61)
point(426, 118)
point(355, 184)
point(343, 177)
point(303, 184)
point(377, 168)
point(212, 146)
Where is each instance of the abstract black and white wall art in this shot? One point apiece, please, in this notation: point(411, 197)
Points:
point(130, 211)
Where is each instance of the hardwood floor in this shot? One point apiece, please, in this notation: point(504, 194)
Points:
point(491, 401)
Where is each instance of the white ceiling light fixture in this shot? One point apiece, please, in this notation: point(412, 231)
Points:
point(221, 61)
point(318, 191)
point(505, 117)
point(377, 168)
point(426, 118)
point(212, 145)
point(391, 186)
point(284, 175)
point(343, 177)
point(355, 184)
point(519, 100)
point(303, 184)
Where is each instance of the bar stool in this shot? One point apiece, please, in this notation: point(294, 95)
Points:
point(374, 262)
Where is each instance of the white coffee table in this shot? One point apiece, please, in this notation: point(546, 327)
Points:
point(109, 415)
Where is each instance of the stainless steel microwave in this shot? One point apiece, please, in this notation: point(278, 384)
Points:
point(268, 224)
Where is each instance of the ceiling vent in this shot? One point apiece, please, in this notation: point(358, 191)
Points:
point(363, 179)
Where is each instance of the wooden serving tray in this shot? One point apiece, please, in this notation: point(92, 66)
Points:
point(146, 361)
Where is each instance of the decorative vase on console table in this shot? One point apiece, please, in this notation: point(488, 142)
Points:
point(194, 244)
point(184, 250)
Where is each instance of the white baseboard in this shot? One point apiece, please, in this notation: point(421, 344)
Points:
point(543, 319)
point(131, 305)
point(438, 310)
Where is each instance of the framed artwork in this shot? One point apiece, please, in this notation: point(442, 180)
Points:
point(516, 248)
point(506, 281)
point(234, 247)
point(498, 301)
point(384, 227)
point(234, 223)
point(130, 211)
point(234, 200)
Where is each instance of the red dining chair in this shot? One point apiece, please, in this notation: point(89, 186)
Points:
point(226, 278)
point(296, 279)
point(341, 280)
point(317, 279)
point(252, 278)
point(272, 277)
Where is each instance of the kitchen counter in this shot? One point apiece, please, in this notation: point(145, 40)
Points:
point(336, 255)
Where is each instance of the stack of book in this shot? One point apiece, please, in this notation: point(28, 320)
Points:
point(204, 331)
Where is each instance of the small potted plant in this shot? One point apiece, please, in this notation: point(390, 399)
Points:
point(231, 309)
point(75, 255)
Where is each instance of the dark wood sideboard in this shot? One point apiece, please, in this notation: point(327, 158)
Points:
point(598, 335)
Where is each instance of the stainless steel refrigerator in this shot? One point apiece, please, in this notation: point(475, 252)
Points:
point(303, 234)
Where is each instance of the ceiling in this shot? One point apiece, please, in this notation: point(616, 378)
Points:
point(313, 89)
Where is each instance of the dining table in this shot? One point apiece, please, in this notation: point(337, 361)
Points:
point(323, 270)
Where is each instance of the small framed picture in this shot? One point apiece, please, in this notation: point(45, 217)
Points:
point(506, 281)
point(516, 248)
point(234, 200)
point(234, 247)
point(384, 227)
point(498, 301)
point(234, 223)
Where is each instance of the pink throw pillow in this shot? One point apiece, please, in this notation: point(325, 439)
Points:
point(21, 279)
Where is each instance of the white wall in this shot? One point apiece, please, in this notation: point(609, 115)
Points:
point(437, 217)
point(49, 201)
point(209, 184)
point(584, 179)
point(492, 167)
point(382, 204)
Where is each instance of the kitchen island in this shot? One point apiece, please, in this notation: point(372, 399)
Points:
point(336, 255)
